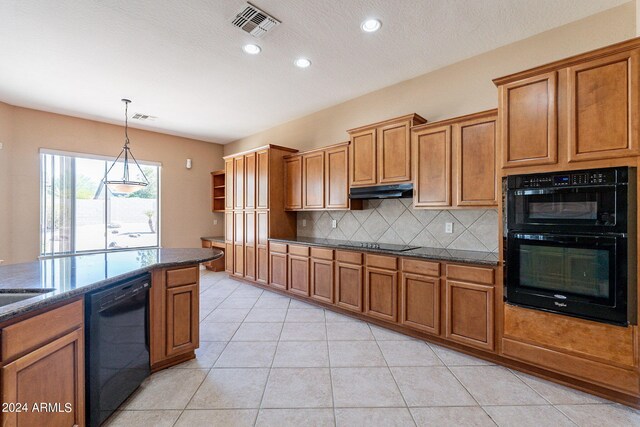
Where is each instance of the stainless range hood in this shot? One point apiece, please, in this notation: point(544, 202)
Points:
point(382, 192)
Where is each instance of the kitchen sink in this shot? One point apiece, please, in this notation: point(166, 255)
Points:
point(9, 296)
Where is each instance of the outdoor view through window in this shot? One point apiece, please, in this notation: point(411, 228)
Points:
point(78, 214)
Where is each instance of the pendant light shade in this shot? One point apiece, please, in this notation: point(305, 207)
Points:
point(126, 185)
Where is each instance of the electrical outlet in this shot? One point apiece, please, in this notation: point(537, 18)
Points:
point(304, 222)
point(448, 227)
point(334, 223)
point(215, 222)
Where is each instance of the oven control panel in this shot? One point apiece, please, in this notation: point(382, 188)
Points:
point(569, 179)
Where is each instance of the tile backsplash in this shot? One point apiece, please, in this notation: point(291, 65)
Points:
point(395, 221)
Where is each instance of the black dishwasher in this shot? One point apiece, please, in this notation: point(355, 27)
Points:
point(117, 345)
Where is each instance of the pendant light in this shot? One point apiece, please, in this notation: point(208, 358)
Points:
point(126, 185)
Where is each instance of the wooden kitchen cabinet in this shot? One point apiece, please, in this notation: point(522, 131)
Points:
point(43, 361)
point(238, 244)
point(262, 179)
point(278, 267)
point(349, 280)
point(603, 110)
point(420, 295)
point(262, 247)
point(298, 275)
point(182, 319)
point(293, 182)
point(238, 182)
point(313, 180)
point(432, 156)
point(381, 153)
point(321, 275)
point(455, 162)
point(469, 297)
point(381, 287)
point(250, 245)
point(250, 181)
point(337, 177)
point(228, 184)
point(476, 174)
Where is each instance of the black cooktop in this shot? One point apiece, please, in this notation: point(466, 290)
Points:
point(380, 246)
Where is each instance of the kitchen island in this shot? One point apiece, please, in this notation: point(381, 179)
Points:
point(42, 324)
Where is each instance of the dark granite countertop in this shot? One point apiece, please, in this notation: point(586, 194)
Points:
point(436, 254)
point(219, 239)
point(60, 278)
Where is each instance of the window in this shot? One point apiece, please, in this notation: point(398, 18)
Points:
point(78, 214)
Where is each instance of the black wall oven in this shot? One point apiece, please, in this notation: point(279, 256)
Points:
point(570, 243)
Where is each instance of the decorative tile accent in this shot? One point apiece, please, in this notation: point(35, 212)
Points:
point(396, 221)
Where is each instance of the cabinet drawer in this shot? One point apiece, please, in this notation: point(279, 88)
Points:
point(206, 243)
point(470, 274)
point(299, 250)
point(278, 247)
point(31, 333)
point(349, 257)
point(322, 253)
point(182, 276)
point(380, 261)
point(426, 268)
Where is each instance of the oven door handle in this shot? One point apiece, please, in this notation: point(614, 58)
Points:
point(556, 190)
point(564, 238)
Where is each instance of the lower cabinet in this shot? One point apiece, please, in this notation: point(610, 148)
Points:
point(322, 280)
point(278, 267)
point(228, 258)
point(381, 293)
point(299, 275)
point(349, 281)
point(42, 366)
point(174, 309)
point(262, 264)
point(420, 302)
point(469, 314)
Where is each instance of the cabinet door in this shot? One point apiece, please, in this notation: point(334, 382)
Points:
point(603, 107)
point(476, 162)
point(529, 121)
point(349, 286)
point(53, 373)
point(299, 275)
point(250, 181)
point(250, 245)
point(262, 254)
point(313, 180)
point(262, 179)
point(228, 258)
point(238, 182)
point(238, 244)
point(228, 184)
point(394, 153)
point(381, 293)
point(432, 154)
point(293, 183)
point(182, 319)
point(229, 234)
point(278, 270)
point(362, 158)
point(420, 302)
point(469, 314)
point(337, 178)
point(322, 280)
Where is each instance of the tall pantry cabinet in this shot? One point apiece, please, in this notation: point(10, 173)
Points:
point(254, 210)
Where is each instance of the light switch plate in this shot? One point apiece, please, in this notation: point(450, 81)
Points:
point(215, 222)
point(334, 223)
point(304, 222)
point(448, 227)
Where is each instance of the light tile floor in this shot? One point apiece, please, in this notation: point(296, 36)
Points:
point(267, 360)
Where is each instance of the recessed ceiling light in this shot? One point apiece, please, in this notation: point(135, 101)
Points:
point(252, 49)
point(370, 25)
point(302, 62)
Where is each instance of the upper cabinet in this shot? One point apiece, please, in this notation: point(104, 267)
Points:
point(380, 153)
point(319, 179)
point(455, 162)
point(579, 109)
point(228, 184)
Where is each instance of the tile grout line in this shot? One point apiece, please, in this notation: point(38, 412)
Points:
point(386, 362)
point(333, 401)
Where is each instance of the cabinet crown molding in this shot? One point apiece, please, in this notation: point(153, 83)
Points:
point(263, 147)
point(414, 117)
point(482, 114)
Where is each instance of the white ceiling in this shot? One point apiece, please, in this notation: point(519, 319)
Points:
point(182, 60)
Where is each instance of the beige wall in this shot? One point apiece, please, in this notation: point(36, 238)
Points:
point(185, 194)
point(458, 89)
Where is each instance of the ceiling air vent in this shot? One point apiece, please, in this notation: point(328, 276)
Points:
point(143, 117)
point(254, 21)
